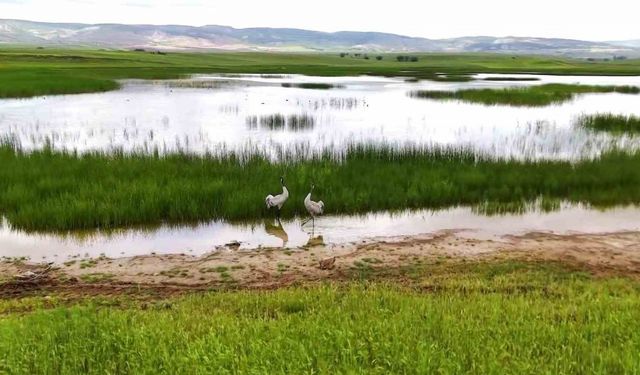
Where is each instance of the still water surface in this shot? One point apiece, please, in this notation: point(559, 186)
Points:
point(335, 230)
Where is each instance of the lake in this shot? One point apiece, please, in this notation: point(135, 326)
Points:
point(210, 113)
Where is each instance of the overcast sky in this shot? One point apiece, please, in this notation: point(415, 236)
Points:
point(587, 19)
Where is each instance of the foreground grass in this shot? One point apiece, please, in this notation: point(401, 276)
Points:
point(505, 317)
point(28, 72)
point(50, 190)
point(531, 96)
point(609, 122)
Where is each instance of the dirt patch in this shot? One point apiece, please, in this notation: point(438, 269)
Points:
point(230, 268)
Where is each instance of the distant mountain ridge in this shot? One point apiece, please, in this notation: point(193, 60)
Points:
point(626, 43)
point(213, 37)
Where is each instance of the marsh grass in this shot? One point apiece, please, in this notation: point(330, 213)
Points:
point(312, 86)
point(609, 122)
point(530, 96)
point(501, 317)
point(511, 79)
point(333, 103)
point(54, 190)
point(281, 122)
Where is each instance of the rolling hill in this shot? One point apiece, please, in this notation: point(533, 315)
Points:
point(213, 37)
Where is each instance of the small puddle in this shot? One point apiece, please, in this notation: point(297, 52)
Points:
point(335, 230)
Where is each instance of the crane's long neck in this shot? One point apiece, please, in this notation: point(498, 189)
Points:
point(308, 198)
point(285, 191)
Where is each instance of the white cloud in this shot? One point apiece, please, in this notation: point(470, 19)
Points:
point(614, 19)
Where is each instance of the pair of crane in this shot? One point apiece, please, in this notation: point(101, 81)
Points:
point(313, 208)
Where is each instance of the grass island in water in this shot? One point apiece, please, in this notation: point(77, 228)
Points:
point(529, 96)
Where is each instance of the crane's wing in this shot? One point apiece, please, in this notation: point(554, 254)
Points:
point(269, 201)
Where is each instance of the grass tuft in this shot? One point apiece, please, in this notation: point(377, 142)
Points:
point(281, 122)
point(608, 122)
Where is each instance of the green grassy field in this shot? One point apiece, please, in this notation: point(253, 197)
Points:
point(532, 96)
point(28, 72)
point(610, 123)
point(505, 317)
point(49, 190)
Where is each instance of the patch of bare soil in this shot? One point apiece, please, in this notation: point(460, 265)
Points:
point(608, 253)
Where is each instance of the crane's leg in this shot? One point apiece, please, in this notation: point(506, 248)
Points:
point(306, 221)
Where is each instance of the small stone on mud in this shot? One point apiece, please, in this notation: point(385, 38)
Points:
point(327, 264)
point(233, 245)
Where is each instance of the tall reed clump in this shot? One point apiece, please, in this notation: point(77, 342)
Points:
point(609, 122)
point(530, 96)
point(51, 190)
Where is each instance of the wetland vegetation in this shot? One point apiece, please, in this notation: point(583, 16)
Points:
point(609, 122)
point(54, 190)
point(530, 96)
point(455, 316)
point(28, 72)
point(279, 121)
point(312, 86)
point(511, 79)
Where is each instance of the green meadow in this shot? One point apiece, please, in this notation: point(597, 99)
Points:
point(28, 72)
point(503, 317)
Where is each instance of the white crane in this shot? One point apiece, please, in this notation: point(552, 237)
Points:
point(313, 208)
point(279, 200)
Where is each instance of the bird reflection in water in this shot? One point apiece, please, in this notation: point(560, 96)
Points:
point(277, 230)
point(313, 239)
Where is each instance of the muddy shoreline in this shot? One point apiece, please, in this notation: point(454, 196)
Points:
point(615, 253)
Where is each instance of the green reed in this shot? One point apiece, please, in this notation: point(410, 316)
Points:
point(54, 190)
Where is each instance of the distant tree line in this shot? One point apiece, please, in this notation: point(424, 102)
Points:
point(407, 58)
point(360, 56)
point(157, 52)
point(615, 58)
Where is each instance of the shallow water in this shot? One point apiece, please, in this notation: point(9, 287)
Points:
point(204, 238)
point(168, 116)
